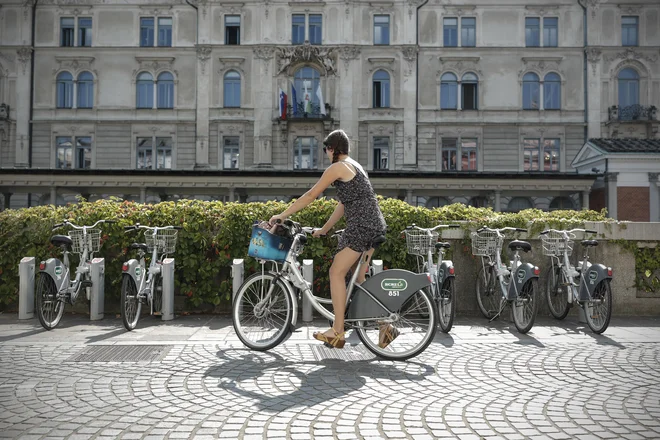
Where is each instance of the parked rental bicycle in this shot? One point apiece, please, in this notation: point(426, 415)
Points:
point(264, 310)
point(141, 284)
point(588, 284)
point(421, 242)
point(499, 284)
point(55, 286)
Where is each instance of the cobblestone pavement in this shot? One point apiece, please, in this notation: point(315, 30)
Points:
point(195, 380)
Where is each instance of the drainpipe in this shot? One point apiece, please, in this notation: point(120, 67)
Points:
point(585, 44)
point(417, 84)
point(34, 27)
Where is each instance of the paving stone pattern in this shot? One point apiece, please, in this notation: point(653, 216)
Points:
point(548, 388)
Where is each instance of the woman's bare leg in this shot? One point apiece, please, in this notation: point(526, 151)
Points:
point(341, 264)
point(363, 267)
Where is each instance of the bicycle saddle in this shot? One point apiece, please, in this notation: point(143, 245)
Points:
point(442, 245)
point(61, 240)
point(587, 243)
point(519, 245)
point(378, 241)
point(138, 246)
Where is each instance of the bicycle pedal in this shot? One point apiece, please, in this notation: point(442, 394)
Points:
point(86, 283)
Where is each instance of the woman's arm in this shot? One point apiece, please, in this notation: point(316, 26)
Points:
point(334, 218)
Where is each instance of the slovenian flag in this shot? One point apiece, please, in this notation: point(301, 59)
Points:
point(282, 104)
point(295, 100)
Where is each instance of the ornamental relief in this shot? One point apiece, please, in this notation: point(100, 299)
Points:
point(541, 66)
point(76, 64)
point(460, 65)
point(324, 57)
point(631, 54)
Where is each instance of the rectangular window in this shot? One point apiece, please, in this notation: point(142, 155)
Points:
point(531, 154)
point(550, 31)
point(449, 153)
point(629, 31)
point(382, 29)
point(164, 153)
point(304, 153)
point(381, 153)
point(532, 32)
point(468, 154)
point(144, 153)
point(233, 30)
point(469, 96)
point(230, 153)
point(468, 32)
point(83, 152)
point(147, 28)
point(165, 32)
point(84, 32)
point(298, 29)
point(315, 28)
point(67, 31)
point(450, 32)
point(63, 152)
point(551, 155)
point(381, 93)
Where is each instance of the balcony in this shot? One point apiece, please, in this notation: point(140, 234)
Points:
point(312, 113)
point(632, 113)
point(4, 112)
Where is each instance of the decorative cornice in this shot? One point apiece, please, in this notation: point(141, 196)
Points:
point(381, 7)
point(323, 56)
point(593, 5)
point(540, 64)
point(409, 54)
point(232, 8)
point(156, 10)
point(75, 63)
point(542, 9)
point(348, 53)
point(203, 55)
point(631, 54)
point(228, 63)
point(307, 3)
point(593, 57)
point(460, 64)
point(630, 9)
point(265, 54)
point(459, 10)
point(154, 64)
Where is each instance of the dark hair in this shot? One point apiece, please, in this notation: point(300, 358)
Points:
point(338, 142)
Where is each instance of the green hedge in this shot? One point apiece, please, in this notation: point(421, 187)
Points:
point(216, 232)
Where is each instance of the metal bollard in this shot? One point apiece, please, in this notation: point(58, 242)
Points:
point(26, 291)
point(167, 272)
point(582, 317)
point(377, 266)
point(97, 296)
point(308, 274)
point(237, 272)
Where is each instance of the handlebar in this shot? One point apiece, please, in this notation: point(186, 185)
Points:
point(569, 231)
point(151, 228)
point(68, 223)
point(500, 230)
point(414, 226)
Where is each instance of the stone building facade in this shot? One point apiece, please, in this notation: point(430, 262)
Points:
point(443, 102)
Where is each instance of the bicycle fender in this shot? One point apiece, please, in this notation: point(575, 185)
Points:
point(446, 270)
point(294, 300)
point(522, 274)
point(133, 269)
point(56, 270)
point(594, 275)
point(391, 287)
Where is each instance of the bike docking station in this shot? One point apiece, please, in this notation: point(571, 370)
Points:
point(167, 272)
point(97, 294)
point(238, 273)
point(26, 288)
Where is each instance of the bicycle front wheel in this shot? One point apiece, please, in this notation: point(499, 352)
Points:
point(262, 311)
point(49, 307)
point(489, 298)
point(598, 311)
point(556, 293)
point(526, 306)
point(131, 306)
point(407, 336)
point(446, 305)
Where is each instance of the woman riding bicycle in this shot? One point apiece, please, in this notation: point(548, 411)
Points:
point(364, 222)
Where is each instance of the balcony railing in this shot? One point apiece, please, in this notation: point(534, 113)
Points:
point(314, 113)
point(634, 112)
point(4, 112)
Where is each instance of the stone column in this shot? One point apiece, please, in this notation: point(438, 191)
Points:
point(24, 56)
point(585, 199)
point(265, 93)
point(612, 196)
point(143, 195)
point(654, 197)
point(409, 103)
point(409, 197)
point(204, 69)
point(593, 83)
point(498, 195)
point(541, 106)
point(232, 194)
point(7, 197)
point(346, 98)
point(53, 195)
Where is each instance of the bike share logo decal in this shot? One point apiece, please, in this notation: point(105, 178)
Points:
point(441, 273)
point(259, 242)
point(138, 272)
point(393, 284)
point(592, 276)
point(521, 276)
point(58, 271)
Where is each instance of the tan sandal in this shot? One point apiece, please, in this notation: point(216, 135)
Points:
point(337, 342)
point(387, 335)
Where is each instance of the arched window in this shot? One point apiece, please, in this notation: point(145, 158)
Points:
point(531, 91)
point(561, 203)
point(165, 88)
point(64, 90)
point(448, 91)
point(479, 202)
point(145, 90)
point(437, 202)
point(306, 82)
point(381, 89)
point(85, 90)
point(552, 92)
point(469, 95)
point(232, 89)
point(517, 204)
point(628, 87)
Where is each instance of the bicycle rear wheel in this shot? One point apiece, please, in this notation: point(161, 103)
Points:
point(446, 305)
point(157, 296)
point(49, 307)
point(412, 332)
point(598, 311)
point(131, 306)
point(489, 298)
point(262, 311)
point(556, 293)
point(526, 306)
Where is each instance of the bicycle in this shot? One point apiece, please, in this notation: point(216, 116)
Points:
point(264, 310)
point(515, 284)
point(593, 292)
point(421, 242)
point(55, 286)
point(136, 288)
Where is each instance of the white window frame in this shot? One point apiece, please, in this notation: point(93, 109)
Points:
point(307, 13)
point(459, 29)
point(76, 19)
point(390, 27)
point(156, 26)
point(459, 153)
point(541, 29)
point(541, 139)
point(372, 154)
point(146, 133)
point(222, 151)
point(65, 131)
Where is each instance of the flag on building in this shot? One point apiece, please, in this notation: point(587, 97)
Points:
point(319, 94)
point(307, 93)
point(282, 103)
point(294, 102)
